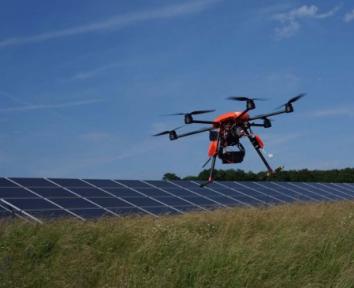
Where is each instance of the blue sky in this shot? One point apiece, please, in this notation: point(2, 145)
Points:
point(83, 83)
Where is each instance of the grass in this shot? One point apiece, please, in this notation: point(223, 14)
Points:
point(299, 245)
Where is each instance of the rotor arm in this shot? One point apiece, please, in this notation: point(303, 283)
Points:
point(288, 108)
point(194, 132)
point(203, 122)
point(188, 119)
point(262, 116)
point(256, 125)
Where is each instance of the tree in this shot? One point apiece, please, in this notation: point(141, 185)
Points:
point(170, 176)
point(303, 175)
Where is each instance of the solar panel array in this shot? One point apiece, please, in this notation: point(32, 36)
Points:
point(42, 198)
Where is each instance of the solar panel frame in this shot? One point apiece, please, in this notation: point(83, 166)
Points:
point(307, 192)
point(284, 197)
point(174, 195)
point(111, 202)
point(53, 192)
point(32, 182)
point(240, 198)
point(298, 195)
point(345, 195)
point(217, 191)
point(5, 183)
point(46, 199)
point(131, 183)
point(216, 195)
point(141, 193)
point(333, 195)
point(238, 192)
point(325, 196)
point(198, 194)
point(350, 185)
point(84, 198)
point(265, 200)
point(93, 213)
point(88, 192)
point(344, 187)
point(158, 183)
point(49, 213)
point(120, 198)
point(41, 198)
point(75, 203)
point(16, 193)
point(273, 199)
point(33, 204)
point(5, 212)
point(19, 212)
point(129, 211)
point(154, 192)
point(102, 183)
point(163, 210)
point(68, 182)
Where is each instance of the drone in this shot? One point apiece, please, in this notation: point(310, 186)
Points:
point(227, 129)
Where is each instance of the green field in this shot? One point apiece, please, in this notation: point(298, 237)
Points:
point(301, 245)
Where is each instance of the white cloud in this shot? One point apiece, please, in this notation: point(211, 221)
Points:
point(275, 139)
point(348, 17)
point(338, 111)
point(116, 22)
point(96, 137)
point(50, 106)
point(290, 21)
point(84, 75)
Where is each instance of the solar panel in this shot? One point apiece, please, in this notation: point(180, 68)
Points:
point(256, 193)
point(38, 206)
point(15, 192)
point(341, 187)
point(103, 183)
point(336, 191)
point(70, 182)
point(132, 183)
point(33, 182)
point(314, 190)
point(54, 192)
point(289, 192)
point(41, 198)
point(4, 212)
point(241, 197)
point(307, 193)
point(88, 192)
point(6, 183)
point(91, 213)
point(219, 198)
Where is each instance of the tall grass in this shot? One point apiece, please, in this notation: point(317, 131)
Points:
point(301, 245)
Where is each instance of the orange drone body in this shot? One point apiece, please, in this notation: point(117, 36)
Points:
point(229, 117)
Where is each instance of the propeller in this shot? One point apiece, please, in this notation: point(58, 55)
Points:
point(292, 100)
point(242, 98)
point(168, 131)
point(250, 105)
point(196, 112)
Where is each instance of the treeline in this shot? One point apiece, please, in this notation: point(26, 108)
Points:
point(303, 175)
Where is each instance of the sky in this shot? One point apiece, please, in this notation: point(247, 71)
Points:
point(83, 84)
